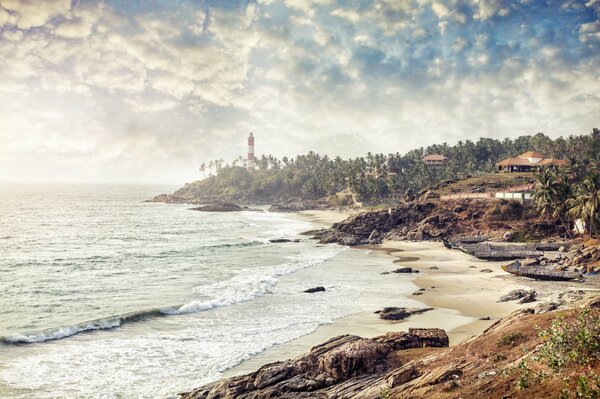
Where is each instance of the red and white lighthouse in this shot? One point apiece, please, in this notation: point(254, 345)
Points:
point(250, 160)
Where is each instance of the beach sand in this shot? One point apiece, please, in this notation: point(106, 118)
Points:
point(461, 288)
point(324, 218)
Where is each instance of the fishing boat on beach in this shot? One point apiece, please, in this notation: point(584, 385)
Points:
point(540, 272)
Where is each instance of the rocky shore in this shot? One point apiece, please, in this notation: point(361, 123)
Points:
point(419, 363)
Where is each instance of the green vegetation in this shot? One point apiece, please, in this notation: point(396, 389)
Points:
point(511, 339)
point(563, 196)
point(524, 372)
point(588, 387)
point(376, 176)
point(571, 341)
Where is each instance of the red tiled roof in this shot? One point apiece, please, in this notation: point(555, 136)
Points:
point(531, 154)
point(515, 162)
point(434, 157)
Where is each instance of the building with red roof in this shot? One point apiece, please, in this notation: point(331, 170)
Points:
point(528, 162)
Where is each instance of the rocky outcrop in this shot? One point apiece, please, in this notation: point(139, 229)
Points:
point(346, 367)
point(430, 219)
point(410, 220)
point(524, 296)
point(219, 207)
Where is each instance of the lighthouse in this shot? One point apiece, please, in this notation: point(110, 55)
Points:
point(250, 160)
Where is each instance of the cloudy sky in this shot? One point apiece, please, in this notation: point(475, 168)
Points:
point(133, 90)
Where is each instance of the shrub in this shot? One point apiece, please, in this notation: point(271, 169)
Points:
point(576, 340)
point(511, 339)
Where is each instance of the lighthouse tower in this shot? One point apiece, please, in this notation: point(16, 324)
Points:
point(250, 160)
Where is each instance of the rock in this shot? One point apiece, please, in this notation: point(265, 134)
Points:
point(315, 289)
point(472, 267)
point(529, 297)
point(434, 268)
point(385, 273)
point(486, 271)
point(417, 293)
point(374, 234)
point(394, 313)
point(405, 270)
point(343, 367)
point(485, 318)
point(421, 289)
point(439, 375)
point(508, 236)
point(401, 376)
point(517, 294)
point(546, 307)
point(219, 207)
point(487, 374)
point(279, 240)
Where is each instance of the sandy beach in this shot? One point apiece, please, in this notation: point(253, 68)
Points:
point(463, 291)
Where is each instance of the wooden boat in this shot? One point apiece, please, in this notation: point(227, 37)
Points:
point(540, 272)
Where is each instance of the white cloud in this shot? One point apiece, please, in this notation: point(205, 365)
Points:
point(440, 9)
point(34, 13)
point(348, 14)
point(13, 35)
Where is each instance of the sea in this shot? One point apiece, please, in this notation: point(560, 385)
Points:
point(103, 295)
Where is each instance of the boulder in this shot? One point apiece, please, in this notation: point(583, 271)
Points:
point(405, 270)
point(315, 289)
point(518, 294)
point(394, 313)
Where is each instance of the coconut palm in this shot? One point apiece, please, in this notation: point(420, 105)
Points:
point(585, 204)
point(544, 196)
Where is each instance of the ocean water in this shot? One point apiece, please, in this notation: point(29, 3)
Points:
point(105, 296)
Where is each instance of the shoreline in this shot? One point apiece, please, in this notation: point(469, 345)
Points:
point(465, 294)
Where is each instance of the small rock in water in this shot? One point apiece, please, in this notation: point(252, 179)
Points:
point(316, 289)
point(405, 270)
point(485, 318)
point(472, 267)
point(417, 293)
point(434, 268)
point(278, 240)
point(486, 271)
point(385, 273)
point(421, 289)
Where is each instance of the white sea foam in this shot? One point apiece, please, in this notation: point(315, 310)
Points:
point(58, 333)
point(250, 283)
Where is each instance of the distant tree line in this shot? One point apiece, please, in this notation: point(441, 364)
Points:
point(375, 176)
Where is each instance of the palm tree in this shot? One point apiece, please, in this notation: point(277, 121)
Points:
point(585, 205)
point(545, 194)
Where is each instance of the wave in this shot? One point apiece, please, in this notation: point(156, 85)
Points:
point(106, 323)
point(247, 284)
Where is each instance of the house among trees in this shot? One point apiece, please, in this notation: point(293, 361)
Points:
point(528, 162)
point(436, 160)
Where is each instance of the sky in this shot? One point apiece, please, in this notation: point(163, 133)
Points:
point(144, 91)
